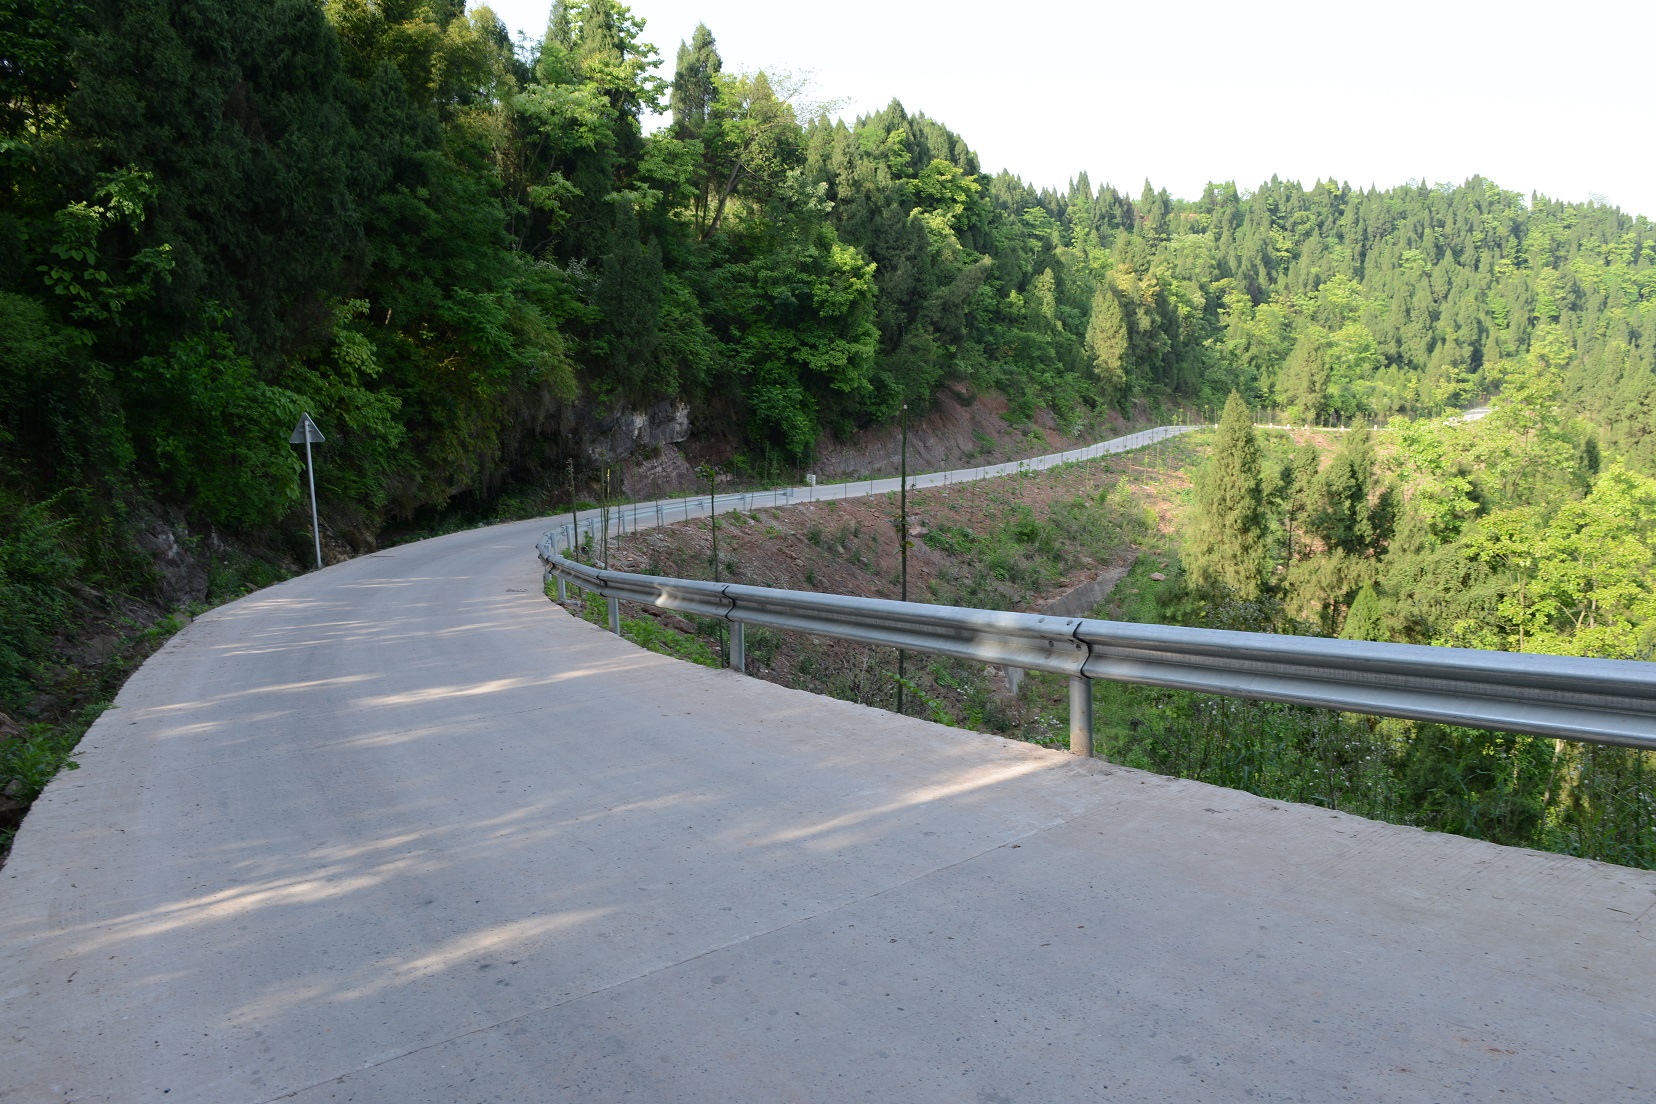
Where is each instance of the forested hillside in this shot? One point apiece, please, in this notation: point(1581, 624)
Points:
point(468, 259)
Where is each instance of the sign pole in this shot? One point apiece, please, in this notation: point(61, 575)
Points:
point(306, 433)
point(316, 530)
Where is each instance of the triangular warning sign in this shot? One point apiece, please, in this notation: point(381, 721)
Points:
point(306, 431)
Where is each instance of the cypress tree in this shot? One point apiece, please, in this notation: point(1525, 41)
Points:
point(1226, 548)
point(1346, 512)
point(1303, 386)
point(628, 298)
point(1107, 343)
point(1364, 621)
point(1300, 499)
point(694, 83)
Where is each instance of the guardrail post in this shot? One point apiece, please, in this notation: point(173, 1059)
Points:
point(563, 589)
point(1081, 716)
point(738, 647)
point(615, 615)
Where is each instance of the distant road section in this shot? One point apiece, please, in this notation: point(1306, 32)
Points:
point(1465, 416)
point(627, 517)
point(402, 830)
point(1472, 415)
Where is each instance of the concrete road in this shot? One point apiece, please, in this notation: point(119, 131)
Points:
point(403, 831)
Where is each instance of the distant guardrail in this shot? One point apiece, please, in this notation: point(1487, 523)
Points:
point(1603, 701)
point(629, 517)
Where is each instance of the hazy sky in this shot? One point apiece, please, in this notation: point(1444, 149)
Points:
point(1554, 97)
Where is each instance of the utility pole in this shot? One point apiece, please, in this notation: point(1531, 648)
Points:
point(712, 475)
point(902, 546)
point(574, 520)
point(605, 507)
point(307, 432)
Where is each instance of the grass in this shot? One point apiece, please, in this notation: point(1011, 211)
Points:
point(647, 632)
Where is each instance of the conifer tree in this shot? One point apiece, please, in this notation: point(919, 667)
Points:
point(1299, 501)
point(1348, 514)
point(1303, 387)
point(1364, 621)
point(695, 82)
point(1226, 549)
point(1107, 343)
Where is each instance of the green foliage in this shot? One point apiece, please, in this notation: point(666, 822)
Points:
point(27, 764)
point(1021, 553)
point(214, 434)
point(655, 637)
point(1364, 620)
point(1470, 557)
point(1225, 550)
point(36, 570)
point(1519, 790)
point(935, 710)
point(75, 270)
point(1350, 512)
point(1594, 571)
point(220, 214)
point(646, 632)
point(439, 246)
point(1305, 378)
point(1482, 784)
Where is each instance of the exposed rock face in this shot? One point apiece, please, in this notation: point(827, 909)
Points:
point(958, 431)
point(612, 438)
point(654, 476)
point(180, 563)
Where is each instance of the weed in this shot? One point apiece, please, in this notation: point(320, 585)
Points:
point(647, 632)
point(939, 714)
point(27, 764)
point(762, 644)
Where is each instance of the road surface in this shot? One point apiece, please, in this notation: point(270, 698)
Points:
point(402, 830)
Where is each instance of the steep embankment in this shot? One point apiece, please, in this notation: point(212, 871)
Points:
point(1023, 542)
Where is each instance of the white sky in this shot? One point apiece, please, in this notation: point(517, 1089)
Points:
point(1552, 97)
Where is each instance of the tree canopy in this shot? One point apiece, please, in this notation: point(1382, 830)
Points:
point(456, 250)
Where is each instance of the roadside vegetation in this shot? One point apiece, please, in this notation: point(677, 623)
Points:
point(1018, 543)
point(1009, 543)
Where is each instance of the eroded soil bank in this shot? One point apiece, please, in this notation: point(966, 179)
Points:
point(1016, 543)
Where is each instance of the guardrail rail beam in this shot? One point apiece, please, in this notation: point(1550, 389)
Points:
point(1606, 701)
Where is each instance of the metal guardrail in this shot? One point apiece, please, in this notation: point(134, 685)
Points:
point(1605, 701)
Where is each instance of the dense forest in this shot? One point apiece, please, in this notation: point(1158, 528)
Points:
point(1509, 532)
point(461, 253)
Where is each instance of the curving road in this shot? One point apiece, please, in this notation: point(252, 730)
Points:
point(401, 830)
point(627, 517)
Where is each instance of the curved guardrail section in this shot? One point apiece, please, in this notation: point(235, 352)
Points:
point(1607, 701)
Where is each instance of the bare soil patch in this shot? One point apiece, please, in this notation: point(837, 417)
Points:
point(1014, 543)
